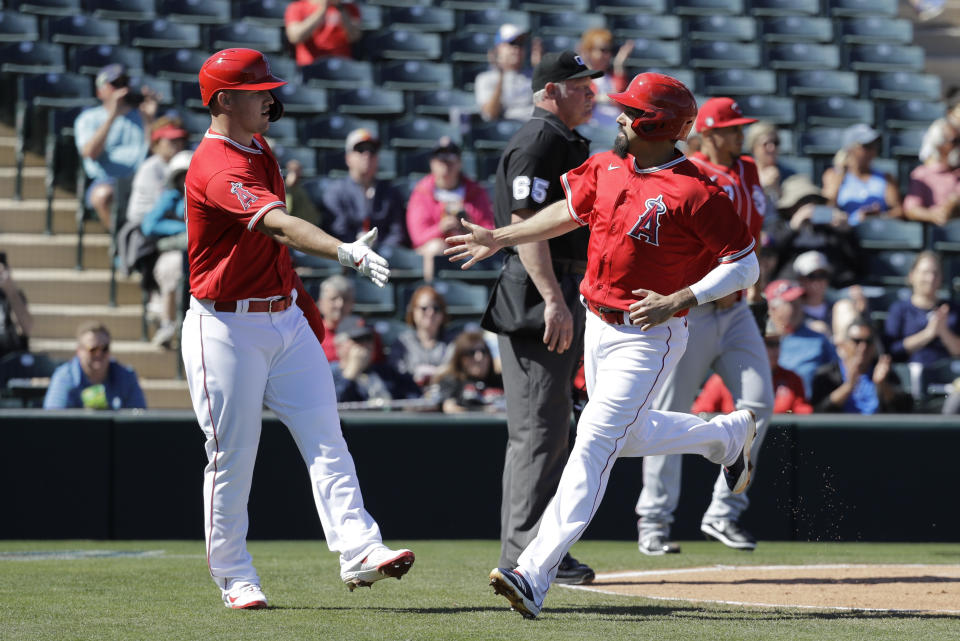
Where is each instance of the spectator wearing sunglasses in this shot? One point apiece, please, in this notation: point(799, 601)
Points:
point(934, 192)
point(92, 379)
point(853, 185)
point(762, 141)
point(421, 349)
point(468, 382)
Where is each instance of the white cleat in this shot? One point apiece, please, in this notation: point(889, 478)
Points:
point(379, 564)
point(244, 596)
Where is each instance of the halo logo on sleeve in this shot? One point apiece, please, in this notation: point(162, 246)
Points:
point(243, 195)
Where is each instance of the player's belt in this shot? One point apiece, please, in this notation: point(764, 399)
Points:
point(253, 306)
point(609, 314)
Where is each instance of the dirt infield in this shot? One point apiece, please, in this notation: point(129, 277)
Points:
point(920, 588)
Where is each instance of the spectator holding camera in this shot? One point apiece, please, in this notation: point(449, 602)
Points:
point(853, 185)
point(318, 28)
point(113, 138)
point(934, 192)
point(504, 90)
point(441, 200)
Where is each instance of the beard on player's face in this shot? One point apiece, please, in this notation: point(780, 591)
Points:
point(620, 144)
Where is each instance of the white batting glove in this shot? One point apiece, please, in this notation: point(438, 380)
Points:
point(360, 257)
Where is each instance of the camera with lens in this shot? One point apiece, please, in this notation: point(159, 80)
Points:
point(134, 96)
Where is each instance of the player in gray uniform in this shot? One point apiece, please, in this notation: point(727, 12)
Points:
point(725, 338)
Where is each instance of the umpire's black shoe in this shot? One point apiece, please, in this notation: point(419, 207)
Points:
point(572, 572)
point(730, 534)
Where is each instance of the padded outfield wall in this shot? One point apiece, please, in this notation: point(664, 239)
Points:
point(138, 475)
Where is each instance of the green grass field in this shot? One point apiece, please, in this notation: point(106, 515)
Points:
point(168, 596)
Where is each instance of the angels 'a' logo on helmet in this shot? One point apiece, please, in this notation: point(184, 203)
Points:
point(647, 227)
point(243, 195)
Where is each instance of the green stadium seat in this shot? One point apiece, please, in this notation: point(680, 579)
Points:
point(785, 7)
point(721, 27)
point(708, 7)
point(888, 233)
point(18, 27)
point(83, 29)
point(909, 114)
point(415, 74)
point(566, 23)
point(820, 82)
point(247, 34)
point(424, 19)
point(122, 9)
point(194, 12)
point(903, 85)
point(845, 8)
point(794, 28)
point(330, 130)
point(655, 53)
point(47, 7)
point(802, 55)
point(645, 25)
point(738, 82)
point(32, 57)
point(834, 111)
point(629, 7)
point(489, 20)
point(400, 44)
point(334, 72)
point(875, 29)
point(163, 34)
point(885, 57)
point(91, 59)
point(724, 55)
point(367, 101)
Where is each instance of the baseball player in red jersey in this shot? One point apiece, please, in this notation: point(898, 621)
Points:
point(663, 238)
point(252, 334)
point(724, 338)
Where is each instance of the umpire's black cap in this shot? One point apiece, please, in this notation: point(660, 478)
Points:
point(557, 67)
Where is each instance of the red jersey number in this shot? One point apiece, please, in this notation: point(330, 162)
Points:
point(647, 227)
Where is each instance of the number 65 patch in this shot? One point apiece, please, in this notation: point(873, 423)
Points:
point(522, 188)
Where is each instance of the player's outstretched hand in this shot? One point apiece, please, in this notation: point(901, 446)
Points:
point(360, 257)
point(475, 245)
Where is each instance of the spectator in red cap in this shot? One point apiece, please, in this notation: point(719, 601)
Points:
point(318, 28)
point(441, 200)
point(802, 350)
point(167, 137)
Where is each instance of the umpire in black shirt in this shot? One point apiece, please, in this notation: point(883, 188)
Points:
point(535, 305)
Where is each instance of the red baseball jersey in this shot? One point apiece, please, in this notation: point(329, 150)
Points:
point(742, 184)
point(229, 188)
point(661, 228)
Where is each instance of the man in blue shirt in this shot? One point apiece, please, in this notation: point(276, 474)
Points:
point(92, 379)
point(802, 350)
point(113, 139)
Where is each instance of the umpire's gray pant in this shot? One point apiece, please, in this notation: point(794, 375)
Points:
point(729, 343)
point(539, 406)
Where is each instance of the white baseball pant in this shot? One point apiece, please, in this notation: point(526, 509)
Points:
point(625, 369)
point(236, 363)
point(729, 343)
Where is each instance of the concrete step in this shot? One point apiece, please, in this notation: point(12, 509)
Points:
point(59, 250)
point(73, 287)
point(30, 216)
point(60, 321)
point(166, 393)
point(8, 157)
point(146, 360)
point(34, 182)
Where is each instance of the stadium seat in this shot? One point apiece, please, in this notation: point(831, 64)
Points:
point(405, 264)
point(493, 135)
point(887, 267)
point(463, 299)
point(475, 5)
point(284, 67)
point(306, 156)
point(708, 7)
point(719, 55)
point(187, 94)
point(91, 59)
point(785, 7)
point(246, 34)
point(398, 44)
point(82, 29)
point(485, 167)
point(25, 365)
point(405, 185)
point(176, 64)
point(797, 164)
point(885, 57)
point(720, 27)
point(905, 143)
point(443, 102)
point(875, 29)
point(489, 20)
point(163, 34)
point(415, 74)
point(820, 82)
point(834, 111)
point(946, 238)
point(888, 233)
point(419, 131)
point(371, 18)
point(194, 11)
point(367, 101)
point(266, 12)
point(300, 99)
point(285, 131)
point(32, 57)
point(333, 163)
point(644, 25)
point(559, 43)
point(738, 82)
point(472, 46)
point(465, 73)
point(908, 114)
point(820, 141)
point(48, 7)
point(776, 109)
point(18, 27)
point(486, 271)
point(334, 72)
point(162, 87)
point(902, 85)
point(545, 6)
point(122, 9)
point(329, 131)
point(600, 135)
point(802, 55)
point(655, 53)
point(796, 29)
point(197, 122)
point(684, 75)
point(629, 7)
point(424, 19)
point(845, 8)
point(566, 23)
point(371, 299)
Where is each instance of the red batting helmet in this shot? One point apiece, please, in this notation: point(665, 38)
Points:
point(236, 69)
point(667, 107)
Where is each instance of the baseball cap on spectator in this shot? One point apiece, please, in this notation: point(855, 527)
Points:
point(859, 134)
point(178, 164)
point(720, 112)
point(783, 291)
point(354, 328)
point(360, 136)
point(111, 74)
point(169, 132)
point(557, 67)
point(798, 189)
point(811, 262)
point(509, 33)
point(445, 145)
